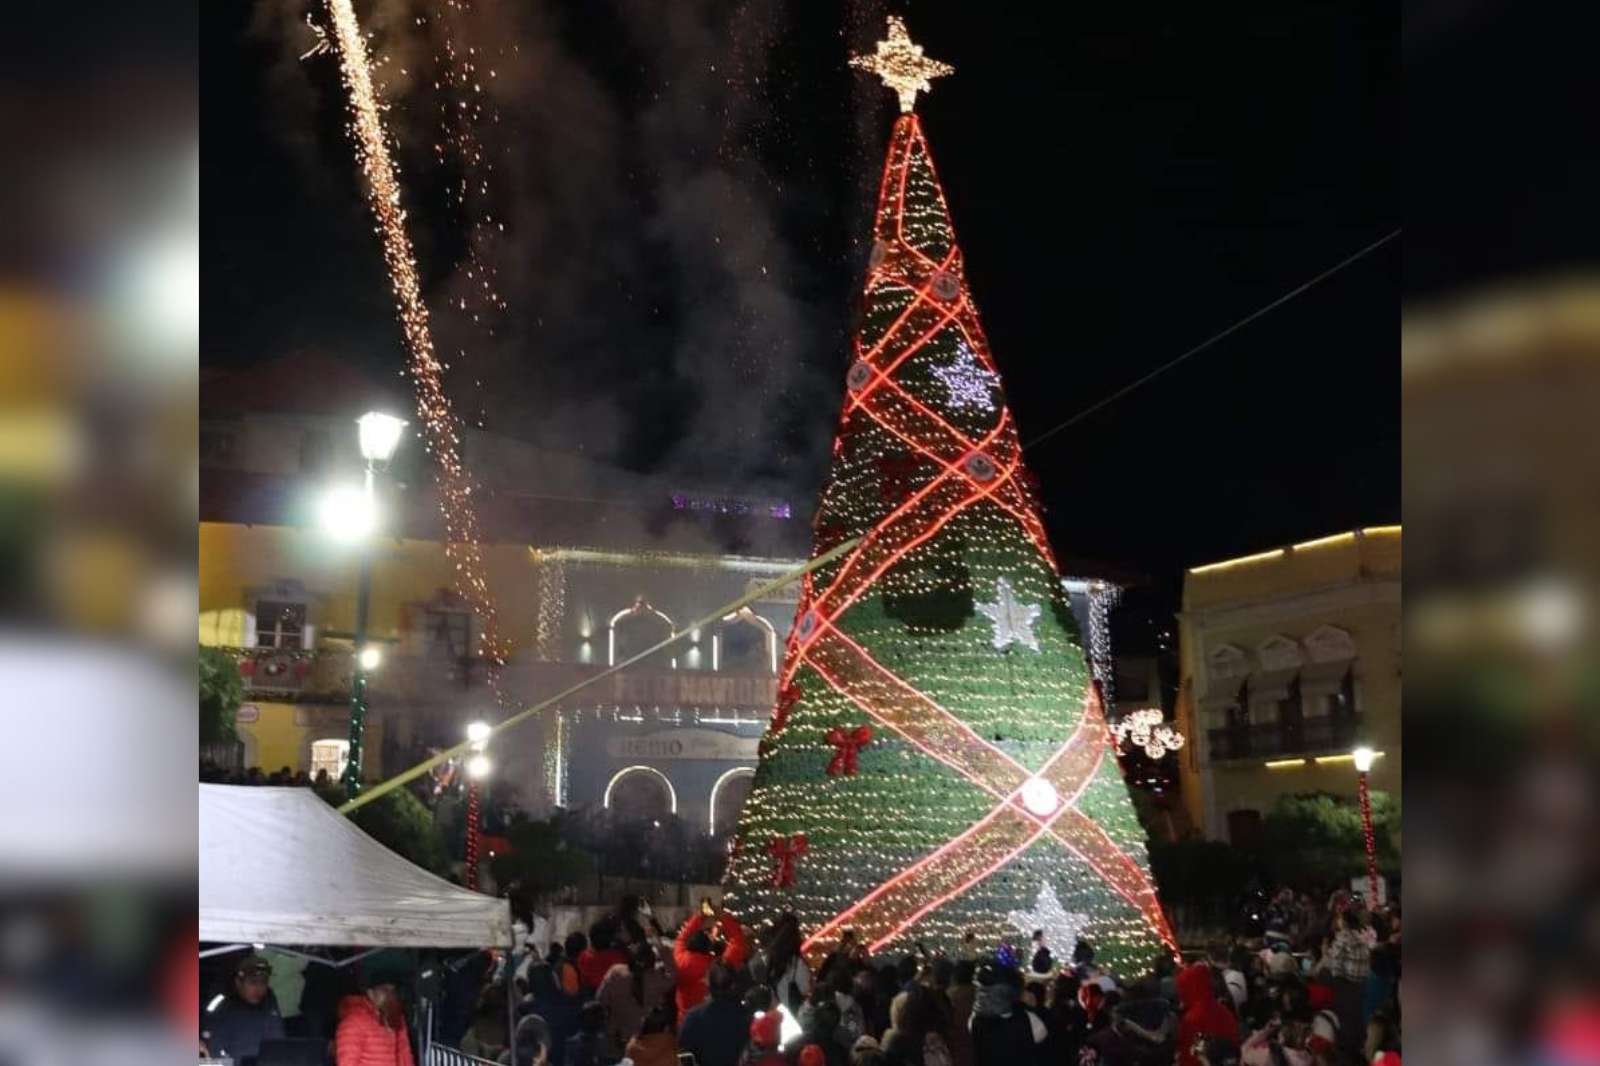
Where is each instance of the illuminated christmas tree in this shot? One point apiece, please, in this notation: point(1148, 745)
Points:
point(938, 761)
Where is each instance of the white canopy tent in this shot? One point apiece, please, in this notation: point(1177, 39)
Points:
point(280, 866)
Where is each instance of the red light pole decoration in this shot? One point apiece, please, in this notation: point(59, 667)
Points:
point(1363, 758)
point(989, 781)
point(477, 769)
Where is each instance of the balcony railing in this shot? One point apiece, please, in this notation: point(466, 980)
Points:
point(1313, 736)
point(323, 675)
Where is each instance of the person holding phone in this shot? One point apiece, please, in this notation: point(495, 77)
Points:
point(705, 938)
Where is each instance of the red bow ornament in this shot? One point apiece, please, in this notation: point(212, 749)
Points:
point(847, 745)
point(786, 850)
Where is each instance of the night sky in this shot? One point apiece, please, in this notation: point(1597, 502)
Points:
point(687, 192)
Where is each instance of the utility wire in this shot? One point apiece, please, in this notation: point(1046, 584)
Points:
point(1203, 345)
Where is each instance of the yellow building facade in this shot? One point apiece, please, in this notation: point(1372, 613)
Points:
point(1289, 660)
point(284, 598)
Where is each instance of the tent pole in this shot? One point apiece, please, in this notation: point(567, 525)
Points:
point(223, 950)
point(511, 998)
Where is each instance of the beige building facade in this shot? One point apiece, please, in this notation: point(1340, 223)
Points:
point(1290, 659)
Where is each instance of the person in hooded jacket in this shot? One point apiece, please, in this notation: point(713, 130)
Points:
point(372, 1027)
point(697, 949)
point(1203, 1016)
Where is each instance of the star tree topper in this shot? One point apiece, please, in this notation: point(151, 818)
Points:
point(1013, 621)
point(968, 383)
point(1061, 930)
point(901, 65)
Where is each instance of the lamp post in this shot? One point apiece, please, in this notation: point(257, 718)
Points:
point(1363, 757)
point(478, 768)
point(352, 515)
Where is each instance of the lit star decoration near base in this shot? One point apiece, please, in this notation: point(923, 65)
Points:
point(902, 66)
point(1013, 621)
point(987, 773)
point(1061, 929)
point(968, 384)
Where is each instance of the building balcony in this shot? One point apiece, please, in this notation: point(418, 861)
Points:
point(1274, 740)
point(323, 675)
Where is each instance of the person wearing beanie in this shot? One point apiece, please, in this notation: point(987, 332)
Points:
point(766, 1033)
point(235, 1024)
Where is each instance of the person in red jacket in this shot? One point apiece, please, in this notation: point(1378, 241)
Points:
point(1203, 1015)
point(596, 960)
point(372, 1029)
point(696, 949)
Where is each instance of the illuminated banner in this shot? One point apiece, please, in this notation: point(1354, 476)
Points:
point(683, 744)
point(695, 689)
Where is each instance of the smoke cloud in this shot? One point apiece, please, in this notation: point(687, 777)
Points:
point(675, 233)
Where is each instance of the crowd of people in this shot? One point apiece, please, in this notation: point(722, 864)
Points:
point(213, 774)
point(1318, 989)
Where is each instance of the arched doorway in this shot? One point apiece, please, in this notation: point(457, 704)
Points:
point(641, 793)
point(727, 798)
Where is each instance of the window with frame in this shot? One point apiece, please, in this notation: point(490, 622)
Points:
point(329, 755)
point(447, 633)
point(1292, 719)
point(280, 624)
point(1341, 707)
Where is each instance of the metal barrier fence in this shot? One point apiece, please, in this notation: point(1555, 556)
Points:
point(439, 1055)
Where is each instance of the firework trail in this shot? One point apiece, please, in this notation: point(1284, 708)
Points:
point(441, 428)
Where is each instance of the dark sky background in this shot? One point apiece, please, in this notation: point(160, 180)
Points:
point(686, 191)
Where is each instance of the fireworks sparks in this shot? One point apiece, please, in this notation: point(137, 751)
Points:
point(464, 107)
point(441, 428)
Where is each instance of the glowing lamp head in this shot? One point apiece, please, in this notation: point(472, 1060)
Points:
point(478, 767)
point(1363, 757)
point(1040, 797)
point(380, 435)
point(370, 657)
point(478, 732)
point(348, 513)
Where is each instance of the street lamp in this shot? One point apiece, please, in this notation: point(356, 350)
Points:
point(478, 767)
point(1363, 758)
point(380, 436)
point(352, 515)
